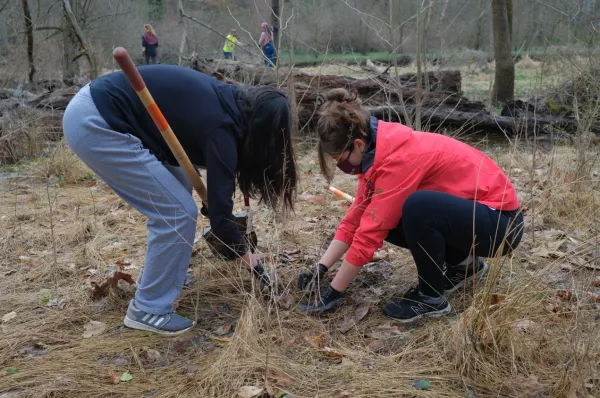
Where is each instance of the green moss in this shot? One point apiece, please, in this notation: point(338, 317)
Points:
point(551, 104)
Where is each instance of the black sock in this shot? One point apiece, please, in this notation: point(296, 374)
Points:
point(332, 294)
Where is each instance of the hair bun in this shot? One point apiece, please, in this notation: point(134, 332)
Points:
point(340, 95)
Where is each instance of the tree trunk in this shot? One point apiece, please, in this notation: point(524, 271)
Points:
point(425, 39)
point(532, 26)
point(394, 55)
point(504, 80)
point(275, 17)
point(314, 26)
point(419, 76)
point(440, 25)
point(70, 64)
point(509, 16)
point(78, 38)
point(481, 23)
point(29, 32)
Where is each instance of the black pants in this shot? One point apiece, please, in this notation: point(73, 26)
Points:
point(149, 58)
point(441, 230)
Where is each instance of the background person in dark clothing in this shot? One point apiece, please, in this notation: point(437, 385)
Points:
point(236, 133)
point(150, 43)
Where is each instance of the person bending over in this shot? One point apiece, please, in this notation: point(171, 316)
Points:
point(237, 133)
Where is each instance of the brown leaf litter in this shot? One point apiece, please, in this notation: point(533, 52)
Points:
point(99, 290)
point(351, 321)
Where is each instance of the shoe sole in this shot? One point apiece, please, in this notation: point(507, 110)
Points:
point(130, 323)
point(478, 275)
point(432, 314)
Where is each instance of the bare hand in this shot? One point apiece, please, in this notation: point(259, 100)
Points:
point(249, 260)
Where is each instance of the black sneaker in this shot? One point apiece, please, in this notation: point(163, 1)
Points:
point(457, 276)
point(415, 305)
point(331, 300)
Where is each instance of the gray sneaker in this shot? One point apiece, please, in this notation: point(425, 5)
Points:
point(169, 324)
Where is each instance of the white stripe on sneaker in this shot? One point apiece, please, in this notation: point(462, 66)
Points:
point(145, 318)
point(159, 321)
point(151, 320)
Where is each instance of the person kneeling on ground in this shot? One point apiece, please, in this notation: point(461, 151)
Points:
point(434, 195)
point(236, 133)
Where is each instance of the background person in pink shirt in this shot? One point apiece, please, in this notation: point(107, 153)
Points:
point(265, 42)
point(150, 44)
point(445, 201)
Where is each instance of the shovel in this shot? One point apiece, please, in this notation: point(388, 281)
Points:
point(340, 194)
point(243, 220)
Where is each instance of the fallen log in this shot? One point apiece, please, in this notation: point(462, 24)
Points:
point(442, 106)
point(482, 121)
point(232, 71)
point(381, 97)
point(376, 97)
point(56, 100)
point(444, 80)
point(378, 91)
point(9, 93)
point(431, 101)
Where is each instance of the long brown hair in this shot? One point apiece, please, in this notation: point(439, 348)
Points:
point(150, 29)
point(341, 120)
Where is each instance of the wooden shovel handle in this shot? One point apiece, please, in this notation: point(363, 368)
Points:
point(340, 194)
point(136, 81)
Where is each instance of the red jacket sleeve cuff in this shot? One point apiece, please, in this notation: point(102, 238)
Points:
point(357, 258)
point(344, 236)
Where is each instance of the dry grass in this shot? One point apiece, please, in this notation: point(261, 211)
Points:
point(24, 134)
point(64, 165)
point(530, 330)
point(527, 63)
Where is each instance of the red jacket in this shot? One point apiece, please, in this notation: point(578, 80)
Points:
point(407, 161)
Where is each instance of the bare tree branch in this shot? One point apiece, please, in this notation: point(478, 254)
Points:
point(78, 32)
point(58, 28)
point(184, 15)
point(184, 34)
point(419, 76)
point(4, 6)
point(550, 6)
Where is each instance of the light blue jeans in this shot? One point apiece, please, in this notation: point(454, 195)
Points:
point(160, 192)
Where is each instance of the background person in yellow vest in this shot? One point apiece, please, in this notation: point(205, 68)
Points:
point(230, 43)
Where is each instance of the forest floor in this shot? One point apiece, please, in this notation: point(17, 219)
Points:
point(530, 329)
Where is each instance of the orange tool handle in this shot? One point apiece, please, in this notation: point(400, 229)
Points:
point(136, 81)
point(341, 194)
